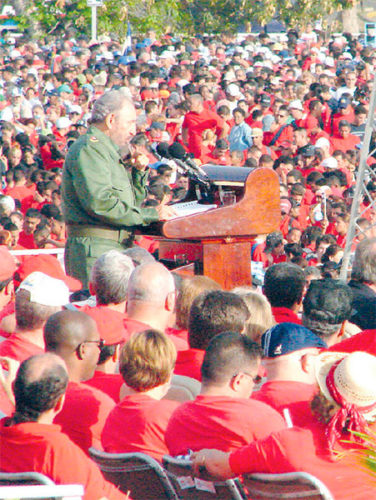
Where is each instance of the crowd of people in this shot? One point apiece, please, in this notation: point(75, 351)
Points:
point(98, 351)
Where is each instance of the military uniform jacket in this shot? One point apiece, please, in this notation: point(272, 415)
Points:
point(98, 190)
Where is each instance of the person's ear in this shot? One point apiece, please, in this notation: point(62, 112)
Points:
point(91, 288)
point(170, 301)
point(9, 289)
point(307, 362)
point(236, 382)
point(80, 351)
point(109, 120)
point(115, 356)
point(59, 404)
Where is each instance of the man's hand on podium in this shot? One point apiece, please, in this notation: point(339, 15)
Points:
point(166, 212)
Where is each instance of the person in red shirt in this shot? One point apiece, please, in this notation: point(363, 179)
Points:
point(289, 355)
point(220, 154)
point(346, 402)
point(281, 131)
point(37, 297)
point(138, 423)
point(31, 441)
point(32, 219)
point(344, 140)
point(222, 416)
point(345, 112)
point(74, 336)
point(151, 301)
point(283, 287)
point(212, 312)
point(196, 121)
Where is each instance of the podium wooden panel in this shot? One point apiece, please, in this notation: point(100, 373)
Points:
point(225, 234)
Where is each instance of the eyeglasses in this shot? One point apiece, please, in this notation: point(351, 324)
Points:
point(100, 343)
point(255, 379)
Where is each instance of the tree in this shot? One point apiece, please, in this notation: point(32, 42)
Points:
point(49, 15)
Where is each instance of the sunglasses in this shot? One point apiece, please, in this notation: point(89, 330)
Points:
point(255, 379)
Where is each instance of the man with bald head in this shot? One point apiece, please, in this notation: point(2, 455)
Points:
point(29, 439)
point(101, 196)
point(73, 336)
point(151, 301)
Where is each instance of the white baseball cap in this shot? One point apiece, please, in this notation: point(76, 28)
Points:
point(45, 290)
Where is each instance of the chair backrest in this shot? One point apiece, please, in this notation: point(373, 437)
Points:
point(20, 478)
point(292, 485)
point(55, 491)
point(138, 473)
point(189, 487)
point(183, 388)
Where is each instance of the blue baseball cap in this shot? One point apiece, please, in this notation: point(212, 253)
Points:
point(285, 338)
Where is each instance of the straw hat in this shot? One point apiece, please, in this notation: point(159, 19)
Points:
point(354, 377)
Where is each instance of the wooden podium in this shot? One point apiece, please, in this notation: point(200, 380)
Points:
point(221, 238)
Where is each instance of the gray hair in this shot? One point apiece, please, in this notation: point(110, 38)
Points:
point(31, 315)
point(109, 102)
point(150, 282)
point(364, 266)
point(110, 276)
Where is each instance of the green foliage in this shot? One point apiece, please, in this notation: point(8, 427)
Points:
point(195, 16)
point(365, 451)
point(111, 18)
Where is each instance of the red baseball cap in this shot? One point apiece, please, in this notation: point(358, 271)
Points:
point(47, 264)
point(110, 324)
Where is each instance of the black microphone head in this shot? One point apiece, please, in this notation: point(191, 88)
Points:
point(176, 150)
point(163, 150)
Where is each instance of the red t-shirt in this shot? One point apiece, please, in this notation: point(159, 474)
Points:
point(196, 123)
point(219, 422)
point(18, 192)
point(27, 240)
point(109, 383)
point(189, 363)
point(19, 348)
point(306, 450)
point(294, 396)
point(285, 315)
point(343, 144)
point(138, 424)
point(44, 448)
point(84, 414)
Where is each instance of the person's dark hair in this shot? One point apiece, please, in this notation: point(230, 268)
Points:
point(215, 312)
point(106, 353)
point(228, 354)
point(284, 285)
point(50, 211)
point(293, 249)
point(31, 315)
point(35, 396)
point(331, 251)
point(326, 305)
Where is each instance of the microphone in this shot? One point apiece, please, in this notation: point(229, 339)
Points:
point(177, 152)
point(162, 150)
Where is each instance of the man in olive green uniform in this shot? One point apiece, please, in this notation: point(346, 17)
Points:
point(101, 198)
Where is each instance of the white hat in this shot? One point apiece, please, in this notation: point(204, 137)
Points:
point(75, 108)
point(233, 90)
point(45, 290)
point(63, 122)
point(354, 377)
point(322, 142)
point(297, 104)
point(329, 162)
